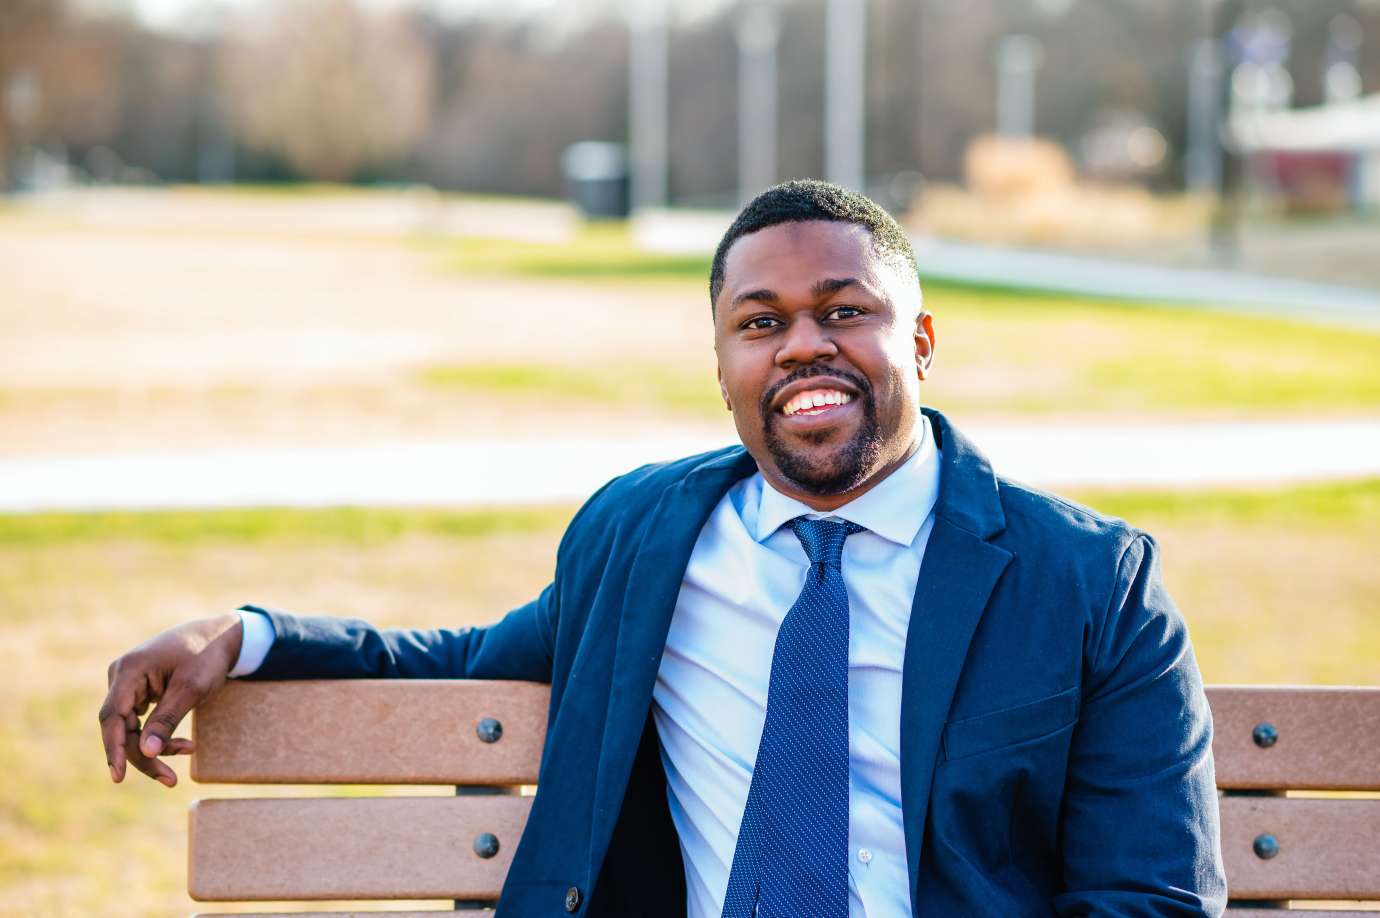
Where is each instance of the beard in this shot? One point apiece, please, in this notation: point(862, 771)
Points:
point(848, 464)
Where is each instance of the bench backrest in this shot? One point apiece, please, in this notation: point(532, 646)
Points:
point(485, 740)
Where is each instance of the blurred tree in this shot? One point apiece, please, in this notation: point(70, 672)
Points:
point(330, 87)
point(513, 97)
point(28, 29)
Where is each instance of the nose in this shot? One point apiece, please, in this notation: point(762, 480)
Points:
point(805, 342)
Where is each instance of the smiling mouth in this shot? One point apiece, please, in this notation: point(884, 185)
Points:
point(815, 401)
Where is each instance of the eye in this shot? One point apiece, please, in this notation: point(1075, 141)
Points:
point(759, 323)
point(845, 312)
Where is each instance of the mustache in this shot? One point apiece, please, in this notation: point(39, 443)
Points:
point(809, 372)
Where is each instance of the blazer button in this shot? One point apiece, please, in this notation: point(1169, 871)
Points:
point(572, 899)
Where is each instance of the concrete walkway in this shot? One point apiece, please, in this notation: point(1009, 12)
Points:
point(479, 473)
point(1233, 291)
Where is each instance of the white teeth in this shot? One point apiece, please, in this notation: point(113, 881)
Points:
point(817, 398)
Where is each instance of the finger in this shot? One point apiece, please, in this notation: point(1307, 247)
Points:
point(131, 729)
point(113, 735)
point(149, 766)
point(114, 729)
point(179, 746)
point(180, 697)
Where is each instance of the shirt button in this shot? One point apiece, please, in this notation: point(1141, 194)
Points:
point(865, 855)
point(572, 899)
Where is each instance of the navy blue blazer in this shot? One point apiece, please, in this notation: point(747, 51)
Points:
point(1055, 739)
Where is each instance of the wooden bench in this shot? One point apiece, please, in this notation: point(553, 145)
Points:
point(485, 739)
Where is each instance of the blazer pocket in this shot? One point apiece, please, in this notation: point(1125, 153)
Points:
point(1007, 727)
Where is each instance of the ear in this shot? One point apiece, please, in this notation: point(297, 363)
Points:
point(723, 390)
point(924, 344)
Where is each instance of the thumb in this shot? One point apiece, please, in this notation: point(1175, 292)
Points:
point(172, 707)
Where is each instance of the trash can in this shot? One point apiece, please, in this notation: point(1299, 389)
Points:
point(597, 178)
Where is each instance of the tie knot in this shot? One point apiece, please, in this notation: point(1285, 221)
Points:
point(823, 539)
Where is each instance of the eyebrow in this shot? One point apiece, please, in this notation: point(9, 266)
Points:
point(763, 295)
point(831, 285)
point(820, 290)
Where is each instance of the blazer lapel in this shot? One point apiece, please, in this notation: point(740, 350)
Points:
point(957, 576)
point(654, 582)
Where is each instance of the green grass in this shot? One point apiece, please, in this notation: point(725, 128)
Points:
point(1027, 353)
point(1336, 505)
point(295, 189)
point(284, 189)
point(354, 525)
point(643, 385)
point(1332, 505)
point(600, 252)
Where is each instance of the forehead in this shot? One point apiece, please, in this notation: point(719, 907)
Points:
point(798, 254)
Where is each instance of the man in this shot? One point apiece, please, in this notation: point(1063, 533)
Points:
point(844, 670)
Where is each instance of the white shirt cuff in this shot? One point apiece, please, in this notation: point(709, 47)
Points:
point(256, 643)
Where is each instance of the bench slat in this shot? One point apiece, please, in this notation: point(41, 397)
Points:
point(1254, 913)
point(467, 913)
point(449, 913)
point(1327, 737)
point(350, 848)
point(423, 732)
point(1230, 913)
point(369, 731)
point(1328, 849)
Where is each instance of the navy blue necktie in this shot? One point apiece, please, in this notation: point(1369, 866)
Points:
point(792, 854)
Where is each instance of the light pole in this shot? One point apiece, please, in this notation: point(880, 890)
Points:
point(1018, 57)
point(759, 28)
point(1224, 229)
point(648, 53)
point(1203, 158)
point(845, 96)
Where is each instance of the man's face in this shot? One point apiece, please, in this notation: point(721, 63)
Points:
point(822, 347)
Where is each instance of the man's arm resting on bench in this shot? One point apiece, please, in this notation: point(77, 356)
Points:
point(181, 667)
point(323, 647)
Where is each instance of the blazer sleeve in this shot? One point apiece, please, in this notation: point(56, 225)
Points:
point(519, 646)
point(1140, 829)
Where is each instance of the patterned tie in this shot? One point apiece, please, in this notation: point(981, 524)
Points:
point(792, 855)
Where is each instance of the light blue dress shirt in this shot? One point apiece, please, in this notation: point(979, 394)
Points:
point(710, 698)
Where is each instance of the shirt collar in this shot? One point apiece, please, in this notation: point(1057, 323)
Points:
point(895, 508)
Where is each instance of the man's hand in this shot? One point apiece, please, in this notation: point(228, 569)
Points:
point(178, 669)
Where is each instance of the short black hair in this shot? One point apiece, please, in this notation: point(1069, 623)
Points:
point(809, 199)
